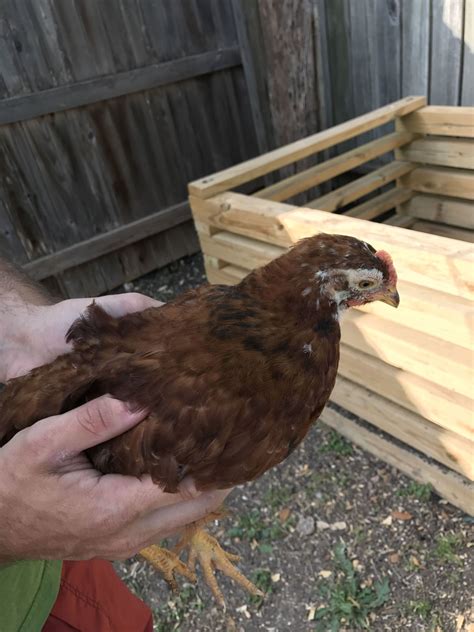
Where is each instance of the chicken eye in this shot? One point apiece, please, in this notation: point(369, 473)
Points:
point(367, 283)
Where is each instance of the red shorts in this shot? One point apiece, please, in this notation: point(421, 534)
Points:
point(93, 599)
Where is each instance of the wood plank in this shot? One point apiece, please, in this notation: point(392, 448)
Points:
point(449, 485)
point(400, 221)
point(433, 228)
point(418, 394)
point(467, 83)
point(446, 152)
point(443, 445)
point(442, 181)
point(252, 169)
point(362, 186)
point(335, 166)
point(445, 316)
point(441, 209)
point(427, 260)
point(247, 20)
point(446, 51)
point(440, 120)
point(380, 204)
point(415, 50)
point(107, 242)
point(89, 91)
point(238, 250)
point(419, 353)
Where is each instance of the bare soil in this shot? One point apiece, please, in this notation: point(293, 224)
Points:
point(402, 546)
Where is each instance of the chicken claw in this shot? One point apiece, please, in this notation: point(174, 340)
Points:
point(205, 549)
point(168, 563)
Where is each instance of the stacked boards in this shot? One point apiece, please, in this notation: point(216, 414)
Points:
point(408, 372)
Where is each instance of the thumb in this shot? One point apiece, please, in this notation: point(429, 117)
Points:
point(86, 426)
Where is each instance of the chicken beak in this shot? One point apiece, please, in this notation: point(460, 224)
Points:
point(391, 297)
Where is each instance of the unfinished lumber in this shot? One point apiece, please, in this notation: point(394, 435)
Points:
point(324, 171)
point(440, 120)
point(420, 353)
point(444, 152)
point(434, 228)
point(400, 221)
point(457, 183)
point(432, 401)
point(451, 486)
point(438, 208)
point(443, 445)
point(252, 169)
point(380, 204)
point(362, 186)
point(429, 260)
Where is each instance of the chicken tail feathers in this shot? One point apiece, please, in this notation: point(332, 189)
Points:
point(89, 329)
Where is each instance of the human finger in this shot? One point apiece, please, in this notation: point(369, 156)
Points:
point(64, 436)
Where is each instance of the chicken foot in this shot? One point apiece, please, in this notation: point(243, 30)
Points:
point(167, 563)
point(206, 550)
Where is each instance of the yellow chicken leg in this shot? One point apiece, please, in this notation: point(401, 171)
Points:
point(205, 549)
point(168, 563)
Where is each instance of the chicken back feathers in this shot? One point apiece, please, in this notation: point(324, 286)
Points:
point(232, 377)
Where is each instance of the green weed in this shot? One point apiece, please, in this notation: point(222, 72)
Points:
point(336, 444)
point(419, 491)
point(446, 546)
point(170, 616)
point(348, 604)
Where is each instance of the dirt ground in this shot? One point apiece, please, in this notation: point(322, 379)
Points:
point(337, 539)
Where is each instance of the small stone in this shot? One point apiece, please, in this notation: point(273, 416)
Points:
point(322, 526)
point(338, 526)
point(325, 574)
point(276, 577)
point(387, 521)
point(128, 287)
point(305, 525)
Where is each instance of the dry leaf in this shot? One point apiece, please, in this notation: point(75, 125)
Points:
point(284, 514)
point(276, 577)
point(401, 515)
point(325, 574)
point(394, 558)
point(460, 622)
point(414, 560)
point(357, 566)
point(311, 613)
point(387, 521)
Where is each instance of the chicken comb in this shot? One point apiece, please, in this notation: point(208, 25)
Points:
point(387, 259)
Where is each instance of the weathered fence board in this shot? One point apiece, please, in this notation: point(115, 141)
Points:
point(108, 110)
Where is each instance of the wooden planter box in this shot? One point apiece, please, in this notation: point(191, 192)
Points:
point(407, 372)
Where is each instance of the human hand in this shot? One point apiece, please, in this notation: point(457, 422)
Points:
point(55, 505)
point(32, 335)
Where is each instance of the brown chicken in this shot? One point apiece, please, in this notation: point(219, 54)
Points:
point(232, 377)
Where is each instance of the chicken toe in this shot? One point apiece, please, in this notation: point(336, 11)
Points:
point(168, 563)
point(206, 550)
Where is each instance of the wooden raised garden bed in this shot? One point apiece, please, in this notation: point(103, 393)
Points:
point(407, 372)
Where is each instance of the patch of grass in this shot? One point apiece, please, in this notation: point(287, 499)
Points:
point(252, 526)
point(446, 546)
point(416, 490)
point(348, 604)
point(336, 444)
point(262, 579)
point(170, 616)
point(420, 607)
point(278, 497)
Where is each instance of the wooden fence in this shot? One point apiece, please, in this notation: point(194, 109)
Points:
point(107, 110)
